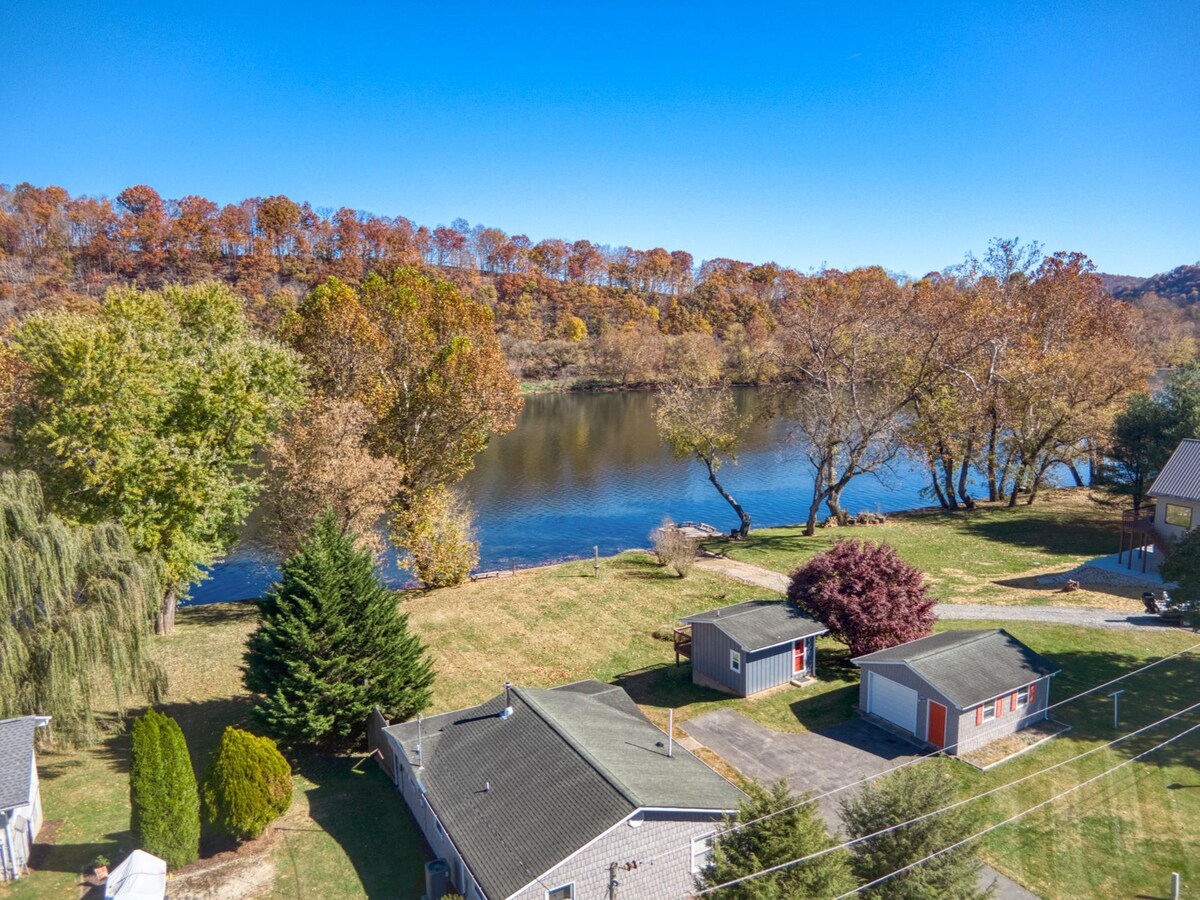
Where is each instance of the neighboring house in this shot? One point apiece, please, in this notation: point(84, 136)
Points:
point(956, 690)
point(750, 647)
point(1176, 491)
point(20, 799)
point(555, 794)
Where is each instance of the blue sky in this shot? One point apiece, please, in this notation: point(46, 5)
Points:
point(900, 134)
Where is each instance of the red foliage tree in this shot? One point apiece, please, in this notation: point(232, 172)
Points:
point(865, 594)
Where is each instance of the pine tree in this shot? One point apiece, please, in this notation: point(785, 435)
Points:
point(163, 798)
point(332, 644)
point(783, 837)
point(247, 785)
point(904, 795)
point(77, 607)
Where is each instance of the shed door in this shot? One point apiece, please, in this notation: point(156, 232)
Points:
point(892, 701)
point(937, 724)
point(798, 666)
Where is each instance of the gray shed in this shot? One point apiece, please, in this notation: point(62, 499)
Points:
point(956, 690)
point(750, 647)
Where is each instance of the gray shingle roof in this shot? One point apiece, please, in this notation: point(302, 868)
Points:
point(1180, 477)
point(757, 624)
point(16, 760)
point(968, 666)
point(519, 795)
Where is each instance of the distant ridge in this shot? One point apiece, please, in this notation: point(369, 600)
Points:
point(1180, 286)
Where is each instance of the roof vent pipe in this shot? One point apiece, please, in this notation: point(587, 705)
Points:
point(508, 710)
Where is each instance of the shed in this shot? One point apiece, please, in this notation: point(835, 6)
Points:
point(20, 795)
point(956, 690)
point(753, 646)
point(140, 876)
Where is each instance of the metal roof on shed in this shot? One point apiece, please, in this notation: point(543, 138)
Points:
point(1180, 477)
point(967, 666)
point(758, 624)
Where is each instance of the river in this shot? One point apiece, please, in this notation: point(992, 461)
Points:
point(587, 470)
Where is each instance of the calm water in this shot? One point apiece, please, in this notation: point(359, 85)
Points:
point(586, 470)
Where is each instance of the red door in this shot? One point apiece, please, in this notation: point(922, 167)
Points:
point(937, 724)
point(798, 666)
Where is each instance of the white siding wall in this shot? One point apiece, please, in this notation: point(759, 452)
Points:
point(1173, 532)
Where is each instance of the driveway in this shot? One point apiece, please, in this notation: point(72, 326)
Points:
point(818, 762)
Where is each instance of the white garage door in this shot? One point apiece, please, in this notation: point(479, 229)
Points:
point(892, 701)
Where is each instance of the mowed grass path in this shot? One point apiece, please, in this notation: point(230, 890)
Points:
point(986, 555)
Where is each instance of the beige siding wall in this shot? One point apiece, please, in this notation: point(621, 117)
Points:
point(1173, 532)
point(632, 848)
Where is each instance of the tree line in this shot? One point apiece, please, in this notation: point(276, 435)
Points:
point(564, 309)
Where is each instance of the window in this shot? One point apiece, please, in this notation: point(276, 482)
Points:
point(987, 712)
point(566, 892)
point(1179, 515)
point(735, 660)
point(701, 851)
point(1022, 698)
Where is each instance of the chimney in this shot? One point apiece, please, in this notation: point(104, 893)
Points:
point(508, 710)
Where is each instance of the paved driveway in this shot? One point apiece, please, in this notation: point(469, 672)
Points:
point(817, 762)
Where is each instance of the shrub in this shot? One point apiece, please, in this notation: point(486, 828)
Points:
point(865, 594)
point(438, 533)
point(247, 786)
point(164, 806)
point(332, 644)
point(673, 548)
point(1183, 568)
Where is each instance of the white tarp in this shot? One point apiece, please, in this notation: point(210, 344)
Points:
point(141, 876)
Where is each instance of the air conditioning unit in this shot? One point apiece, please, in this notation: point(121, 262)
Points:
point(437, 879)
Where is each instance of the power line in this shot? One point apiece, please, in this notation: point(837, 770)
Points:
point(1014, 818)
point(938, 752)
point(955, 805)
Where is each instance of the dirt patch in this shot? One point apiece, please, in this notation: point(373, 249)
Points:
point(1005, 748)
point(243, 873)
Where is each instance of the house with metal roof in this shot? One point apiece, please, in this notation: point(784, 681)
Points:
point(20, 797)
point(1176, 491)
point(750, 647)
point(556, 795)
point(956, 690)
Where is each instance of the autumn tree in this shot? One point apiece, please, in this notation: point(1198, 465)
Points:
point(865, 594)
point(321, 462)
point(703, 422)
point(150, 413)
point(437, 537)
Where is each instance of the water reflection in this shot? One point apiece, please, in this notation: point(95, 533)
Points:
point(585, 470)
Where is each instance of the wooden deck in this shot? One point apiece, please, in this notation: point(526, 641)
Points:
point(1138, 526)
point(683, 643)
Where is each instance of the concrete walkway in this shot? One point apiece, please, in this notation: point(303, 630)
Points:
point(1084, 616)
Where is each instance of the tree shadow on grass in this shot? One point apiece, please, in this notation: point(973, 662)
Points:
point(666, 686)
point(1047, 529)
point(357, 805)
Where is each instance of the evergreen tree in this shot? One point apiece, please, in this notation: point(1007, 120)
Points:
point(904, 795)
point(247, 785)
point(783, 837)
point(163, 799)
point(77, 607)
point(332, 644)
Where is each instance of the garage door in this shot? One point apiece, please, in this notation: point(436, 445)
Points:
point(892, 701)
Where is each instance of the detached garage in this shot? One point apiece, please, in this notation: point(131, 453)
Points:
point(956, 690)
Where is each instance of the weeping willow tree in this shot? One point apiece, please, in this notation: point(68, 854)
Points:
point(77, 609)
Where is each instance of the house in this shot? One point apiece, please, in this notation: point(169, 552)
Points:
point(956, 690)
point(1176, 491)
point(750, 647)
point(556, 794)
point(20, 798)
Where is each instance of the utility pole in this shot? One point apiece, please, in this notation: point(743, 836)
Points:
point(1116, 698)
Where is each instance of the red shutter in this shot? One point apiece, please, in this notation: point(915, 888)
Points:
point(999, 707)
point(1014, 701)
point(979, 715)
point(1032, 693)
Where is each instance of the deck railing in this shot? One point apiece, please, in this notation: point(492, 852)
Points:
point(683, 643)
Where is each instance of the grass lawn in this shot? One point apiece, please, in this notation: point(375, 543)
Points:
point(988, 555)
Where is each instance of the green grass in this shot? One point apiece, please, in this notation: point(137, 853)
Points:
point(985, 555)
